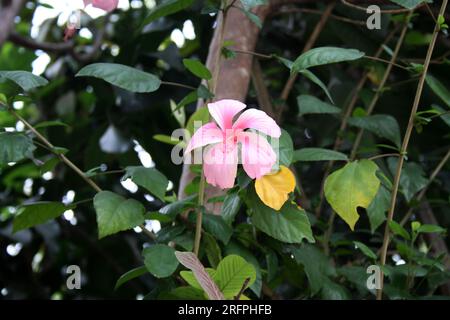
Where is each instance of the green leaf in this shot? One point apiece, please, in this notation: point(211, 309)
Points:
point(253, 17)
point(248, 4)
point(430, 228)
point(122, 76)
point(312, 77)
point(412, 179)
point(290, 224)
point(179, 113)
point(384, 126)
point(311, 105)
point(230, 207)
point(204, 93)
point(189, 277)
point(234, 248)
point(410, 4)
point(15, 147)
point(191, 261)
point(334, 291)
point(24, 79)
point(160, 260)
point(168, 140)
point(272, 265)
point(325, 55)
point(190, 98)
point(166, 8)
point(397, 229)
point(286, 62)
point(355, 185)
point(175, 208)
point(183, 293)
point(365, 249)
point(201, 115)
point(231, 275)
point(318, 154)
point(217, 226)
point(130, 275)
point(438, 88)
point(149, 178)
point(115, 213)
point(197, 68)
point(378, 208)
point(185, 241)
point(212, 249)
point(285, 149)
point(31, 215)
point(317, 266)
point(46, 124)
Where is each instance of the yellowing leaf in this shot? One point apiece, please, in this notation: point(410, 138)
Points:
point(352, 186)
point(273, 189)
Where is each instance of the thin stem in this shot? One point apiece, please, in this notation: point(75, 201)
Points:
point(199, 219)
point(77, 203)
point(425, 189)
point(377, 95)
point(176, 84)
point(404, 147)
point(328, 232)
point(387, 62)
point(256, 54)
point(108, 173)
point(385, 156)
point(241, 292)
point(202, 186)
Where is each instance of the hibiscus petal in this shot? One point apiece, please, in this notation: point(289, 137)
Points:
point(223, 112)
point(107, 5)
point(206, 134)
point(259, 120)
point(220, 165)
point(258, 156)
point(87, 2)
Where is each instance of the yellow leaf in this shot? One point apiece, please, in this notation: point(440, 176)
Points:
point(273, 189)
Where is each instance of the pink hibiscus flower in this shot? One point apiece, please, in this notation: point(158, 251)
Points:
point(223, 138)
point(107, 5)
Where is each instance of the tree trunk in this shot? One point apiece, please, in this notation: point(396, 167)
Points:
point(9, 9)
point(234, 76)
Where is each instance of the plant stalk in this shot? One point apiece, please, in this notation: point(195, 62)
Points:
point(404, 147)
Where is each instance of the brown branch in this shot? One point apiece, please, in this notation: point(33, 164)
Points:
point(9, 10)
point(262, 94)
point(63, 47)
point(59, 47)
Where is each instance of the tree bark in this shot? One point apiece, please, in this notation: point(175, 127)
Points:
point(234, 76)
point(9, 9)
